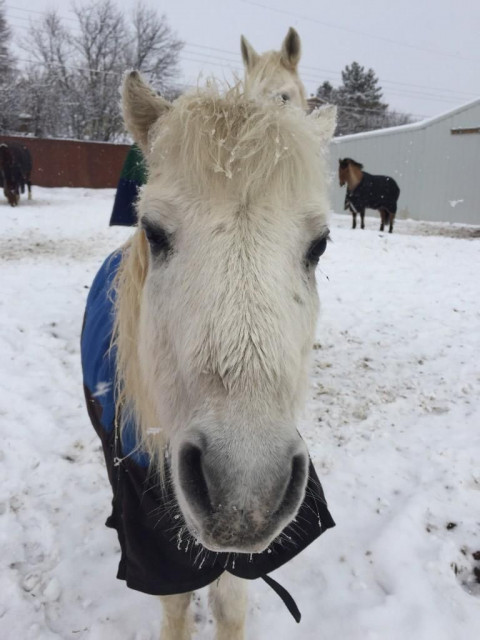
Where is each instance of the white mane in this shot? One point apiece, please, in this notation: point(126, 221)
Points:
point(214, 135)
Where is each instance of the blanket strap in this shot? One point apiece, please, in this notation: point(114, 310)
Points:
point(288, 601)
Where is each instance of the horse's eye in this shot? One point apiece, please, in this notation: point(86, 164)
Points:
point(285, 97)
point(158, 239)
point(317, 249)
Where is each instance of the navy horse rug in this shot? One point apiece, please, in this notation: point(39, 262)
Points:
point(374, 192)
point(158, 555)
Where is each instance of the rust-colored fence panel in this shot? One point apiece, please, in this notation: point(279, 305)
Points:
point(73, 163)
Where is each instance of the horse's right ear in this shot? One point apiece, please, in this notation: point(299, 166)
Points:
point(142, 107)
point(291, 50)
point(249, 55)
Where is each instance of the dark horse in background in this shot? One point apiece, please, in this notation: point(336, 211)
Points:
point(15, 171)
point(365, 191)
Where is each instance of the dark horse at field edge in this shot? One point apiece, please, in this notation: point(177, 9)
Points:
point(367, 191)
point(15, 171)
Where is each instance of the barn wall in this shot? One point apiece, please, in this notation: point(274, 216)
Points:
point(435, 169)
point(73, 163)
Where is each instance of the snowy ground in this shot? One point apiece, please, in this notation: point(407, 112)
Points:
point(392, 423)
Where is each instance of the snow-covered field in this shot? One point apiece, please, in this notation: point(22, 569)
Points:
point(392, 423)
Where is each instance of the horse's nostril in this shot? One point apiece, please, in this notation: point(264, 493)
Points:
point(192, 477)
point(296, 484)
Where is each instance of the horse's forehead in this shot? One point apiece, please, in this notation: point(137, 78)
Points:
point(270, 67)
point(205, 215)
point(280, 75)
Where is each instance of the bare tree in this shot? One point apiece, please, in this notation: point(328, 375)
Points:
point(397, 118)
point(8, 107)
point(154, 48)
point(100, 48)
point(82, 70)
point(48, 84)
point(5, 58)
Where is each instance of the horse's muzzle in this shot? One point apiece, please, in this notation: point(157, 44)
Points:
point(239, 510)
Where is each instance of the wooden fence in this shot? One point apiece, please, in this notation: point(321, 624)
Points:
point(73, 163)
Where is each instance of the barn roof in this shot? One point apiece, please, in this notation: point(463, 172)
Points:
point(422, 124)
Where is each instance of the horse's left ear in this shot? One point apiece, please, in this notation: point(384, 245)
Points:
point(291, 50)
point(142, 107)
point(249, 55)
point(326, 121)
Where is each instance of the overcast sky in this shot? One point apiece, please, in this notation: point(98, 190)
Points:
point(426, 53)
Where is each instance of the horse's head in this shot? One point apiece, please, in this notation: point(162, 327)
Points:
point(217, 303)
point(10, 188)
point(342, 171)
point(274, 75)
point(348, 169)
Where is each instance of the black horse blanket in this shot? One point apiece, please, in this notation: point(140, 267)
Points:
point(156, 557)
point(15, 166)
point(373, 192)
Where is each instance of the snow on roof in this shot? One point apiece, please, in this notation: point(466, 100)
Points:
point(422, 124)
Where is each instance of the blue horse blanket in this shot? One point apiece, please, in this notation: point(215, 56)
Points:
point(155, 557)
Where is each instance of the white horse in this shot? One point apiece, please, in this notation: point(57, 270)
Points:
point(274, 74)
point(215, 313)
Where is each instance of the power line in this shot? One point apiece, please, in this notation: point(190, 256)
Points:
point(314, 78)
point(424, 96)
point(221, 61)
point(357, 32)
point(340, 108)
point(321, 70)
point(68, 66)
point(224, 64)
point(337, 74)
point(210, 55)
point(216, 64)
point(29, 24)
point(10, 6)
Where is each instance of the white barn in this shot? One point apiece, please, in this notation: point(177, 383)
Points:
point(436, 163)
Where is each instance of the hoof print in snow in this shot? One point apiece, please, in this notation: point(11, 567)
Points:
point(469, 576)
point(30, 582)
point(451, 525)
point(52, 591)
